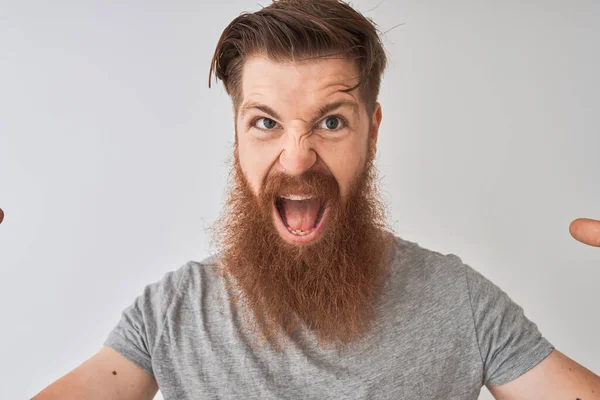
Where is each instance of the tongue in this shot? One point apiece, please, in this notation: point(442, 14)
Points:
point(301, 215)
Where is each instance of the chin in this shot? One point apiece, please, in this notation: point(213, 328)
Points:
point(300, 238)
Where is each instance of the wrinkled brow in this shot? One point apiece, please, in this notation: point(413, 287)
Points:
point(321, 112)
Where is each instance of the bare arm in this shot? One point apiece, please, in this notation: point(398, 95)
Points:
point(557, 377)
point(106, 375)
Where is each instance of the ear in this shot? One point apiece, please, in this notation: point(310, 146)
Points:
point(376, 121)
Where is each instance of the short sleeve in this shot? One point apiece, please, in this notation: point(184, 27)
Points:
point(140, 326)
point(510, 344)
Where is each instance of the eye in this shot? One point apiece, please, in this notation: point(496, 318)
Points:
point(264, 123)
point(332, 123)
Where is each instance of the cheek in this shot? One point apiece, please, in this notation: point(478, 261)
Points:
point(344, 161)
point(256, 160)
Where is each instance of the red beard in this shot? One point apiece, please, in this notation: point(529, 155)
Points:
point(329, 287)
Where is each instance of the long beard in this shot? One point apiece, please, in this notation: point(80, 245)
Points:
point(329, 287)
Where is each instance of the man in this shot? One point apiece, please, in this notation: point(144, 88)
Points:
point(310, 296)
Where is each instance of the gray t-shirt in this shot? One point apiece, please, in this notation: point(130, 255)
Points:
point(443, 331)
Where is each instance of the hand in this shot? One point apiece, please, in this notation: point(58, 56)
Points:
point(1, 215)
point(586, 231)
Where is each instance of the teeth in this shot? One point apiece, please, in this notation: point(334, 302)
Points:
point(299, 233)
point(296, 197)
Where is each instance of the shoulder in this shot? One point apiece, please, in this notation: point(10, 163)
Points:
point(176, 284)
point(192, 275)
point(428, 281)
point(447, 274)
point(416, 262)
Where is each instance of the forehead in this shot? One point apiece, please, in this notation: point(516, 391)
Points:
point(295, 82)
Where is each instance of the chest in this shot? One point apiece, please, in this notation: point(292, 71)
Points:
point(426, 353)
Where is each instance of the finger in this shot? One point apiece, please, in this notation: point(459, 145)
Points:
point(1, 215)
point(586, 231)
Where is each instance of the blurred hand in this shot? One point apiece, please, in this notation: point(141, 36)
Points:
point(586, 231)
point(1, 215)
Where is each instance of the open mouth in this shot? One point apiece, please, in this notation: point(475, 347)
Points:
point(300, 216)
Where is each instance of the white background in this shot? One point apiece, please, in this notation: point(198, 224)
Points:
point(114, 158)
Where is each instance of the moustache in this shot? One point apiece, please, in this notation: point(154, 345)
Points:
point(311, 184)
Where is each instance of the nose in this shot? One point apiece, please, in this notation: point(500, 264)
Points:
point(297, 156)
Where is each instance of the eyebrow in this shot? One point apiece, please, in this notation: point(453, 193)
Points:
point(321, 112)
